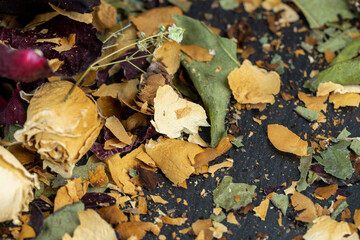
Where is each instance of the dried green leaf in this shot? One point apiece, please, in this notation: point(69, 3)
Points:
point(308, 114)
point(229, 4)
point(355, 146)
point(336, 160)
point(339, 209)
point(319, 12)
point(342, 135)
point(305, 163)
point(229, 195)
point(337, 41)
point(349, 52)
point(344, 73)
point(218, 218)
point(280, 68)
point(210, 79)
point(10, 130)
point(238, 142)
point(63, 221)
point(182, 4)
point(281, 201)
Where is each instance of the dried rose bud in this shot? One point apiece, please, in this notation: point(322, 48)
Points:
point(61, 132)
point(16, 189)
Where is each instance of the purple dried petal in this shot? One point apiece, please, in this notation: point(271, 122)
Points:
point(37, 218)
point(142, 133)
point(29, 87)
point(24, 65)
point(94, 200)
point(341, 192)
point(273, 188)
point(130, 71)
point(31, 8)
point(76, 60)
point(15, 110)
point(42, 204)
point(317, 168)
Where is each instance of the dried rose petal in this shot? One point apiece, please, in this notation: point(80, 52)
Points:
point(25, 65)
point(14, 111)
point(16, 188)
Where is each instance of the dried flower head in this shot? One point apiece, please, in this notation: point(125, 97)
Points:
point(16, 188)
point(61, 132)
point(176, 33)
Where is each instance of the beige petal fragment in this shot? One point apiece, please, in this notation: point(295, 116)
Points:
point(80, 17)
point(143, 157)
point(252, 5)
point(17, 187)
point(124, 90)
point(327, 87)
point(136, 229)
point(325, 228)
point(104, 16)
point(174, 115)
point(270, 4)
point(149, 22)
point(200, 225)
point(158, 199)
point(231, 218)
point(61, 132)
point(116, 127)
point(174, 221)
point(210, 154)
point(119, 168)
point(251, 84)
point(325, 192)
point(302, 203)
point(142, 205)
point(285, 140)
point(174, 157)
point(225, 164)
point(112, 214)
point(346, 99)
point(93, 227)
point(316, 104)
point(71, 193)
point(168, 54)
point(357, 218)
point(197, 53)
point(261, 210)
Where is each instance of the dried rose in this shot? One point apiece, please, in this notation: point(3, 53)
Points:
point(61, 132)
point(16, 188)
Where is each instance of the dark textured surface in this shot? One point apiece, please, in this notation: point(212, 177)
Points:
point(261, 164)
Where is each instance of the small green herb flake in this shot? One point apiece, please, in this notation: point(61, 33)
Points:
point(218, 218)
point(337, 41)
point(10, 130)
point(226, 194)
point(336, 160)
point(339, 209)
point(229, 4)
point(308, 114)
point(238, 142)
point(281, 201)
point(342, 135)
point(63, 221)
point(305, 163)
point(132, 172)
point(280, 68)
point(355, 146)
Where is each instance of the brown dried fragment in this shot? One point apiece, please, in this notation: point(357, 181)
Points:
point(136, 229)
point(112, 214)
point(104, 16)
point(240, 31)
point(99, 177)
point(325, 192)
point(149, 179)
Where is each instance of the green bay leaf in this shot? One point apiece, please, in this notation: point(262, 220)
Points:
point(210, 78)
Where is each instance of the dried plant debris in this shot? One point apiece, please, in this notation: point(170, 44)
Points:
point(229, 195)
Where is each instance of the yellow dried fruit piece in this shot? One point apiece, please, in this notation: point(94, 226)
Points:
point(251, 84)
point(61, 132)
point(16, 188)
